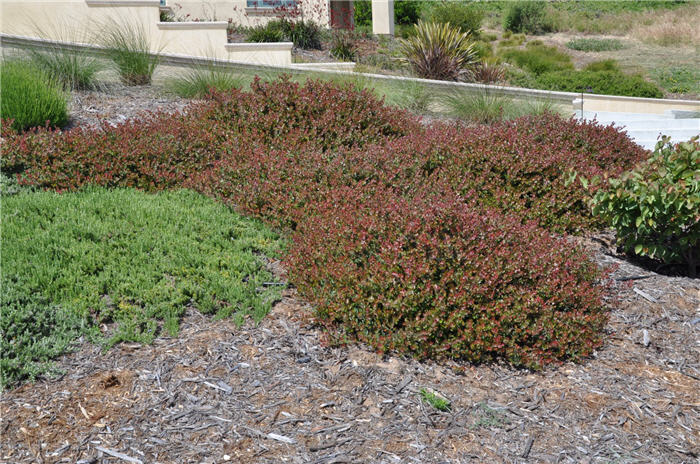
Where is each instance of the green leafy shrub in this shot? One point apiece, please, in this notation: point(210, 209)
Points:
point(129, 46)
point(439, 51)
point(538, 58)
point(406, 12)
point(461, 14)
point(273, 31)
point(600, 82)
point(529, 17)
point(604, 65)
point(655, 208)
point(30, 97)
point(304, 34)
point(74, 261)
point(595, 45)
point(363, 12)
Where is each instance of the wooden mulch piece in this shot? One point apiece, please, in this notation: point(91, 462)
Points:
point(271, 393)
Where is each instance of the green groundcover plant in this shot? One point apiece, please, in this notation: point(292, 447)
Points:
point(599, 82)
point(595, 45)
point(74, 262)
point(655, 208)
point(538, 58)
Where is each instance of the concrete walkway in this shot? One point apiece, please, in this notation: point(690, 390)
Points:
point(645, 129)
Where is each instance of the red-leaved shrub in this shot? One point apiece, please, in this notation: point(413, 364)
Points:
point(435, 240)
point(438, 275)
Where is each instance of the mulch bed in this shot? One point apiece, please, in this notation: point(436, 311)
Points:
point(275, 393)
point(115, 103)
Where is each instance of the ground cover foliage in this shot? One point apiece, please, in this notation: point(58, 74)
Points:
point(434, 240)
point(74, 262)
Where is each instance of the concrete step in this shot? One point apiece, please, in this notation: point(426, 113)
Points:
point(661, 124)
point(645, 129)
point(648, 139)
point(675, 134)
point(614, 116)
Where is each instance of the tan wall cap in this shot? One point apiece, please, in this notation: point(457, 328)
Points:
point(252, 46)
point(104, 3)
point(189, 25)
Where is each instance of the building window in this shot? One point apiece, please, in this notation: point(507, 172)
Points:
point(271, 3)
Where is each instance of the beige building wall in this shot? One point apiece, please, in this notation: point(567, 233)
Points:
point(73, 20)
point(236, 10)
point(84, 22)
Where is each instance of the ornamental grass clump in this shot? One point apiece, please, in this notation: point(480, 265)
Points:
point(440, 241)
point(129, 47)
point(29, 97)
point(75, 70)
point(440, 51)
point(200, 80)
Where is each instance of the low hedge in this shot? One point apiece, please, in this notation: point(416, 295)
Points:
point(599, 82)
point(434, 240)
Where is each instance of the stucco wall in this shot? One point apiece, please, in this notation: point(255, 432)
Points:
point(236, 10)
point(85, 22)
point(72, 20)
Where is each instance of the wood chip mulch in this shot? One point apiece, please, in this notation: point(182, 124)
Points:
point(115, 103)
point(274, 393)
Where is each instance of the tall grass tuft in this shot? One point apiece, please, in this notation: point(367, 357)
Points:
point(343, 45)
point(488, 108)
point(30, 97)
point(412, 96)
point(74, 70)
point(439, 51)
point(129, 47)
point(198, 81)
